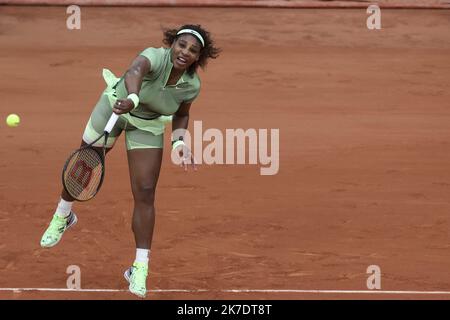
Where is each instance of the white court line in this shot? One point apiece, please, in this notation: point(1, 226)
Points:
point(342, 291)
point(236, 291)
point(95, 290)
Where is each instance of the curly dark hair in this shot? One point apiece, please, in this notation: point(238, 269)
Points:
point(208, 51)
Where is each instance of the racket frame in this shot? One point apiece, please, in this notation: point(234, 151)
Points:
point(109, 126)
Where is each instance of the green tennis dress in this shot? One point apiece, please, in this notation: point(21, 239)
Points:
point(144, 126)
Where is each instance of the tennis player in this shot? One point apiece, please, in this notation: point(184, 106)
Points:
point(159, 86)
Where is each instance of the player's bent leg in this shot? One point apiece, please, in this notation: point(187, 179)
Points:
point(63, 217)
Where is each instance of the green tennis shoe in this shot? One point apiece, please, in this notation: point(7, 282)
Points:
point(137, 277)
point(56, 229)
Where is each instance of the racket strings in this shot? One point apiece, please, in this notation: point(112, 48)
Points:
point(83, 174)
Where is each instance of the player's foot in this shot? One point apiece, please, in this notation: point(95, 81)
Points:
point(137, 277)
point(57, 227)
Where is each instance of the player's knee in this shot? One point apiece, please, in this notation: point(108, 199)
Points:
point(144, 193)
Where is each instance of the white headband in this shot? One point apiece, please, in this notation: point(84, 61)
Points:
point(195, 33)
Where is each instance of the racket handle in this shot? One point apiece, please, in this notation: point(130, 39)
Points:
point(111, 122)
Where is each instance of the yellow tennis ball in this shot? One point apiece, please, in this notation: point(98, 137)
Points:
point(13, 120)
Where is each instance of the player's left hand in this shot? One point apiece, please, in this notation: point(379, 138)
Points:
point(123, 106)
point(187, 158)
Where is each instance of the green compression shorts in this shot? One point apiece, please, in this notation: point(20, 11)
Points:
point(136, 136)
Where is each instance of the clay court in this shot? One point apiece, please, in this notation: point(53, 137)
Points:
point(364, 176)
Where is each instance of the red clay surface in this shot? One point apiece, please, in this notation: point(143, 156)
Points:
point(364, 155)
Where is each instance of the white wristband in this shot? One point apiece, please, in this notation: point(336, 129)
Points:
point(177, 143)
point(135, 98)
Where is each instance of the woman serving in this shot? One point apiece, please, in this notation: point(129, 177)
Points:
point(160, 85)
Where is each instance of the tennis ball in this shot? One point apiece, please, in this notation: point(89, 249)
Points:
point(13, 120)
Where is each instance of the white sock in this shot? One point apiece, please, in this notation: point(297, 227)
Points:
point(142, 255)
point(64, 208)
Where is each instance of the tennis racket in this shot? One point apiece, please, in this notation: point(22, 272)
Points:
point(83, 172)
